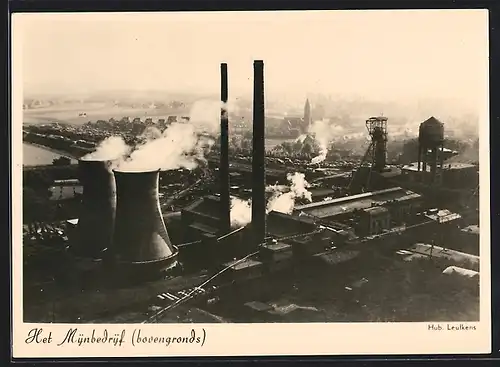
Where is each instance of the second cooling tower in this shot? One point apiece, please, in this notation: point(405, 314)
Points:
point(140, 236)
point(97, 213)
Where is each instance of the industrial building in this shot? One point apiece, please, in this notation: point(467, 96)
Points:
point(122, 224)
point(453, 175)
point(331, 220)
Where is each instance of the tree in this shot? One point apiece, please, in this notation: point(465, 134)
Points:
point(61, 161)
point(36, 207)
point(39, 181)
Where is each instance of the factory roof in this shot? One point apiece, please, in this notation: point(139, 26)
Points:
point(321, 192)
point(446, 166)
point(350, 203)
point(375, 210)
point(474, 229)
point(73, 181)
point(248, 263)
point(390, 171)
point(328, 177)
point(207, 205)
point(442, 216)
point(276, 247)
point(457, 165)
point(280, 225)
point(462, 271)
point(203, 228)
point(336, 256)
point(414, 167)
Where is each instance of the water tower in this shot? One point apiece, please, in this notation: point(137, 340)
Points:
point(430, 148)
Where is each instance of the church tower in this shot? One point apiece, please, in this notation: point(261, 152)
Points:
point(307, 116)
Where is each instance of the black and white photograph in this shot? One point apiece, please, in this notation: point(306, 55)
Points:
point(257, 168)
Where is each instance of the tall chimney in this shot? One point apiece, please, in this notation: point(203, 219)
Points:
point(225, 201)
point(140, 237)
point(258, 161)
point(97, 211)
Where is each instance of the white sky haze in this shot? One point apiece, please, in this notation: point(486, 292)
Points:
point(374, 54)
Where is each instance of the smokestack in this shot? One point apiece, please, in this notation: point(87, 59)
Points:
point(97, 212)
point(258, 161)
point(140, 236)
point(225, 201)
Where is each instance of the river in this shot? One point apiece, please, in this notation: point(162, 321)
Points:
point(36, 156)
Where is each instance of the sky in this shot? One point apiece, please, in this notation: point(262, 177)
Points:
point(373, 54)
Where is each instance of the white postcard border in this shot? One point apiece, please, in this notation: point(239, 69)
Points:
point(246, 339)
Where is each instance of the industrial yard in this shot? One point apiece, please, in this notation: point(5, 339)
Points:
point(248, 234)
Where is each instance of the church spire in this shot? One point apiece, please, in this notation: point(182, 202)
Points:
point(307, 116)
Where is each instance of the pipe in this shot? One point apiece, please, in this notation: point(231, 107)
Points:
point(258, 157)
point(97, 211)
point(223, 237)
point(225, 201)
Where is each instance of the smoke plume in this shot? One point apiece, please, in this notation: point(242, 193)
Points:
point(110, 148)
point(150, 133)
point(241, 212)
point(284, 202)
point(324, 133)
point(206, 114)
point(181, 145)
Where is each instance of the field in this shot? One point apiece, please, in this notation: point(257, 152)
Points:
point(94, 111)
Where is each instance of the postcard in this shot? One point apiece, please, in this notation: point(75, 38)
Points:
point(250, 183)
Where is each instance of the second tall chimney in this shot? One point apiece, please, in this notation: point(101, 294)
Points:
point(258, 157)
point(225, 201)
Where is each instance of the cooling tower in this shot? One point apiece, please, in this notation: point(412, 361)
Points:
point(225, 201)
point(140, 237)
point(258, 157)
point(97, 212)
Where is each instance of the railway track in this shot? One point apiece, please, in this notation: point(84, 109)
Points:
point(166, 298)
point(173, 300)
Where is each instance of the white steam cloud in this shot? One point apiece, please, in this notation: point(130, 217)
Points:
point(241, 212)
point(282, 200)
point(181, 145)
point(111, 148)
point(324, 133)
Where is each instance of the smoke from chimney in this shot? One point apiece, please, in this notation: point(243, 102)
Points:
point(181, 145)
point(282, 200)
point(241, 212)
point(324, 132)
